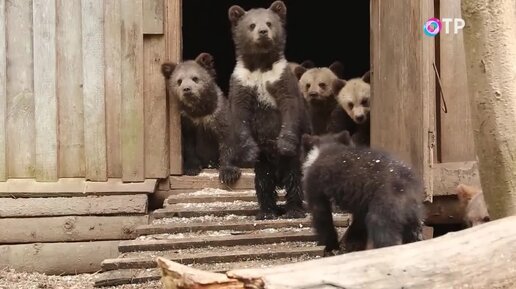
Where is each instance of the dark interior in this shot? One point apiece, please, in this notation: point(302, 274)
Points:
point(322, 31)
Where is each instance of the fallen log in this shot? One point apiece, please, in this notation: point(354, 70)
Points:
point(480, 257)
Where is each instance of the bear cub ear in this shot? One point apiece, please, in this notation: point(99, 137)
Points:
point(299, 71)
point(367, 77)
point(279, 8)
point(167, 69)
point(205, 60)
point(337, 68)
point(337, 85)
point(308, 64)
point(235, 12)
point(344, 138)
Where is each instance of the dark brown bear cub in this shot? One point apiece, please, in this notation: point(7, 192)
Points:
point(383, 194)
point(206, 137)
point(267, 110)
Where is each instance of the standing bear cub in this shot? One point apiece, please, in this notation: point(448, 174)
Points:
point(267, 110)
point(204, 116)
point(383, 194)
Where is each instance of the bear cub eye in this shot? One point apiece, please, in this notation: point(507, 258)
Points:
point(252, 26)
point(195, 79)
point(269, 24)
point(322, 85)
point(365, 102)
point(307, 85)
point(179, 81)
point(350, 105)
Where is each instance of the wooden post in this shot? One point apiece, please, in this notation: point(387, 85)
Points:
point(490, 43)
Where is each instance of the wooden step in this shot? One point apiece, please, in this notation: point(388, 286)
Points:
point(210, 195)
point(341, 221)
point(212, 257)
point(210, 179)
point(214, 241)
point(174, 211)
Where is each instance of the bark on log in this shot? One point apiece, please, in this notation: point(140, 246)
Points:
point(490, 44)
point(480, 257)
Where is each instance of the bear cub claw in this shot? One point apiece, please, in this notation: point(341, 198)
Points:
point(229, 175)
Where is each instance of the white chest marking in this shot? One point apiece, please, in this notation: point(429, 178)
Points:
point(259, 80)
point(310, 159)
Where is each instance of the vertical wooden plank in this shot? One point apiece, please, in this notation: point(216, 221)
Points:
point(153, 16)
point(20, 90)
point(132, 92)
point(3, 93)
point(44, 15)
point(69, 89)
point(456, 136)
point(93, 89)
point(113, 85)
point(400, 80)
point(173, 35)
point(156, 142)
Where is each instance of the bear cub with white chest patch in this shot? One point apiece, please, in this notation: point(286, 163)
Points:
point(383, 194)
point(204, 117)
point(352, 112)
point(267, 110)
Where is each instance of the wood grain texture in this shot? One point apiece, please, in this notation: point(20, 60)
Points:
point(153, 11)
point(20, 90)
point(447, 176)
point(173, 34)
point(113, 85)
point(156, 134)
point(456, 135)
point(3, 93)
point(69, 89)
point(133, 166)
point(45, 95)
point(74, 206)
point(93, 89)
point(54, 258)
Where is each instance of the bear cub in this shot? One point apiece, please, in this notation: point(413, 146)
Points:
point(267, 110)
point(383, 194)
point(475, 208)
point(204, 117)
point(352, 112)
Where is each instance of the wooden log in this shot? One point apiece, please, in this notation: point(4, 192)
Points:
point(78, 206)
point(215, 241)
point(488, 263)
point(57, 258)
point(76, 228)
point(216, 257)
point(72, 187)
point(228, 225)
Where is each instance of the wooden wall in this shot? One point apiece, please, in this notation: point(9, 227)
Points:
point(81, 93)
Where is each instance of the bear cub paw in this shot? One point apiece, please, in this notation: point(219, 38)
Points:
point(229, 175)
point(294, 213)
point(287, 144)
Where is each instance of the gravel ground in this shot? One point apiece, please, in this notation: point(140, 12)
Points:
point(9, 279)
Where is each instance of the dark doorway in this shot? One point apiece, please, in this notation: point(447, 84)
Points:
point(322, 31)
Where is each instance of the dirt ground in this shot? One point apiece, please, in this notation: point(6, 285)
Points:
point(9, 279)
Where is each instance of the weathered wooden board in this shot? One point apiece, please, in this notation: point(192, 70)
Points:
point(73, 206)
point(73, 228)
point(69, 89)
point(45, 96)
point(93, 89)
point(210, 180)
point(72, 187)
point(20, 90)
point(156, 134)
point(171, 212)
point(232, 240)
point(456, 135)
point(57, 258)
point(447, 176)
point(173, 31)
point(231, 225)
point(230, 256)
point(113, 85)
point(3, 93)
point(126, 276)
point(132, 128)
point(153, 11)
point(249, 196)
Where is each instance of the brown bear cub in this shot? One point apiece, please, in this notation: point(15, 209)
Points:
point(267, 110)
point(475, 208)
point(352, 113)
point(204, 117)
point(316, 84)
point(383, 194)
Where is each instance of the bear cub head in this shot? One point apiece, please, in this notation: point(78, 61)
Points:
point(354, 96)
point(316, 83)
point(193, 82)
point(259, 30)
